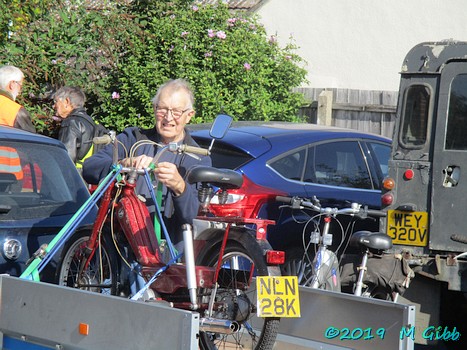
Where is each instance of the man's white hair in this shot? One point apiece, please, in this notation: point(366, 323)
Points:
point(8, 74)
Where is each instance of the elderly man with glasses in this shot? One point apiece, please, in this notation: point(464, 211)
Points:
point(173, 109)
point(11, 112)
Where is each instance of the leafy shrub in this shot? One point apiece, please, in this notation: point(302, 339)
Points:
point(121, 55)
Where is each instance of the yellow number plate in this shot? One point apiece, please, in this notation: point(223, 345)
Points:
point(277, 296)
point(408, 227)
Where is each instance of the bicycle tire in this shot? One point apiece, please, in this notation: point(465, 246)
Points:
point(298, 264)
point(244, 339)
point(326, 271)
point(101, 274)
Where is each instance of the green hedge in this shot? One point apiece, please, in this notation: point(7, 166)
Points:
point(120, 55)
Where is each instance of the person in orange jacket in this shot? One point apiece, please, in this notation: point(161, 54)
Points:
point(11, 112)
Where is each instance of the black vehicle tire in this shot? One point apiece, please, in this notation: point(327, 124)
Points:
point(244, 338)
point(378, 293)
point(100, 276)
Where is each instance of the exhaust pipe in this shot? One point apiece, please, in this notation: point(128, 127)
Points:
point(216, 325)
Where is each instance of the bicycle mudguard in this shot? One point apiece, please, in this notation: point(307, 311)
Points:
point(135, 220)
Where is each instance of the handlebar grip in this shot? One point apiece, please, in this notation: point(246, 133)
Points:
point(195, 150)
point(102, 140)
point(376, 213)
point(283, 199)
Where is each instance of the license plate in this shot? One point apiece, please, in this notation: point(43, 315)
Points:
point(408, 227)
point(277, 296)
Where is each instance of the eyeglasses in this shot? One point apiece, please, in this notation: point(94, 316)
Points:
point(176, 113)
point(19, 83)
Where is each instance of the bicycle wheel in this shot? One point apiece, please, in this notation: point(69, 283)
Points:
point(298, 264)
point(239, 304)
point(100, 276)
point(326, 271)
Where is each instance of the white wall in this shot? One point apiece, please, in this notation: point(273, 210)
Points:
point(360, 44)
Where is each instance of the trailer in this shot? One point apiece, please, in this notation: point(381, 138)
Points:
point(40, 316)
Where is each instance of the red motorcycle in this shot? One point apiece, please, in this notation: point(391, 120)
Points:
point(222, 256)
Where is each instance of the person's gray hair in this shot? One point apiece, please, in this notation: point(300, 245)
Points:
point(175, 85)
point(8, 74)
point(74, 94)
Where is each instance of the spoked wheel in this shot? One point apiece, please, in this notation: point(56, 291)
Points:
point(298, 264)
point(99, 276)
point(239, 304)
point(326, 273)
point(302, 265)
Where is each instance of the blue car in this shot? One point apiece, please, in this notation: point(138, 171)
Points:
point(338, 166)
point(40, 190)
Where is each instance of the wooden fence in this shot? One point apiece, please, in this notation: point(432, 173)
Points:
point(365, 110)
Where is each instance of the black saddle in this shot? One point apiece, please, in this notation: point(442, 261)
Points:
point(223, 178)
point(374, 241)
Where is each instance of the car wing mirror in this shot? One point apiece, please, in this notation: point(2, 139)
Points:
point(219, 127)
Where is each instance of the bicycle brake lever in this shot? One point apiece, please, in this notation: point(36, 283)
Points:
point(296, 203)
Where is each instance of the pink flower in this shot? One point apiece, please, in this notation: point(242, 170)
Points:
point(273, 39)
point(115, 95)
point(247, 66)
point(171, 48)
point(231, 22)
point(221, 35)
point(288, 57)
point(211, 33)
point(184, 34)
point(195, 8)
point(208, 54)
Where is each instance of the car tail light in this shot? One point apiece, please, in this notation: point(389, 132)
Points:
point(275, 257)
point(387, 199)
point(388, 183)
point(245, 201)
point(409, 174)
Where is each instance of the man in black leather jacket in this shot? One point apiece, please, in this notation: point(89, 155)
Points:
point(77, 127)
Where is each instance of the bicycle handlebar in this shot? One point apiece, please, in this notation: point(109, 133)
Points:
point(102, 140)
point(171, 147)
point(354, 209)
point(191, 149)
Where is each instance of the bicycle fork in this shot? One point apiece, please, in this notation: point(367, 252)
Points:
point(325, 269)
point(325, 263)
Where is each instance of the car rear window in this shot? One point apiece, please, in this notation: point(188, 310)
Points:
point(224, 155)
point(38, 181)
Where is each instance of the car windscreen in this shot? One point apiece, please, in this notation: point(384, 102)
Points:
point(38, 181)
